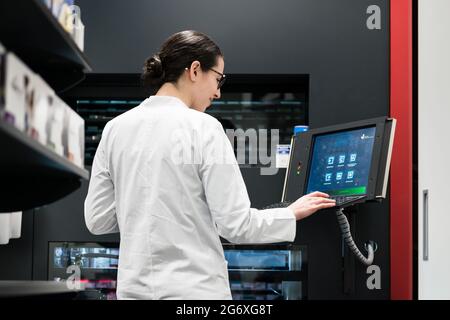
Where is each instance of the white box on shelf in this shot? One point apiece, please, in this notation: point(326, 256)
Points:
point(78, 34)
point(54, 124)
point(32, 91)
point(19, 91)
point(15, 224)
point(10, 226)
point(5, 231)
point(65, 18)
point(62, 11)
point(44, 97)
point(56, 7)
point(2, 52)
point(2, 80)
point(76, 144)
point(282, 155)
point(73, 137)
point(78, 27)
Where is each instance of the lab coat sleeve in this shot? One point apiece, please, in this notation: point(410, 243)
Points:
point(228, 199)
point(99, 206)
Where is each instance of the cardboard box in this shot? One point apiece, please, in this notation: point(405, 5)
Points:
point(19, 91)
point(28, 103)
point(73, 137)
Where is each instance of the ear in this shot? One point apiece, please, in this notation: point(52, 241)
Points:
point(194, 70)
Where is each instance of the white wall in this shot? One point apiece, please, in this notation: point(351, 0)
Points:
point(434, 146)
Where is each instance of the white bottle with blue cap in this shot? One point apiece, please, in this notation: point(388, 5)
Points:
point(300, 128)
point(284, 150)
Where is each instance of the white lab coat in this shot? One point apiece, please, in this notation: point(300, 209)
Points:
point(170, 213)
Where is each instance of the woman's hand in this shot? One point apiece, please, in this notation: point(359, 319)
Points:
point(310, 203)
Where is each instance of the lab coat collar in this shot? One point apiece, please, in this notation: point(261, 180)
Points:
point(165, 100)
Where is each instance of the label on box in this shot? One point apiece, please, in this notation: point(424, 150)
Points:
point(282, 156)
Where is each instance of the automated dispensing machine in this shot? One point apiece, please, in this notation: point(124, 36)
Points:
point(350, 162)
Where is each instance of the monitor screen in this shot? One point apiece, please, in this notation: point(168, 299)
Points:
point(340, 162)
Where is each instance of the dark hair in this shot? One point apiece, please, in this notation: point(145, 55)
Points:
point(176, 54)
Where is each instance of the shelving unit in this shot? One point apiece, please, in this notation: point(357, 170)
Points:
point(31, 174)
point(30, 30)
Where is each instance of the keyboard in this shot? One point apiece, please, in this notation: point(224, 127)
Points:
point(343, 201)
point(283, 204)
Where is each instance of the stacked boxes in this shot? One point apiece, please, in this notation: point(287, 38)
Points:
point(69, 16)
point(73, 137)
point(18, 91)
point(29, 104)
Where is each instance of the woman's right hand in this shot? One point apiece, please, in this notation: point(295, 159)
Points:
point(310, 203)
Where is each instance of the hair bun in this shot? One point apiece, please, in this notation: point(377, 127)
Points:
point(153, 74)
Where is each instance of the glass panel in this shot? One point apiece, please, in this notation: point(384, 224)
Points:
point(267, 272)
point(256, 272)
point(251, 120)
point(249, 103)
point(98, 265)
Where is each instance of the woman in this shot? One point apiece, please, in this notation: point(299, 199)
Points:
point(165, 176)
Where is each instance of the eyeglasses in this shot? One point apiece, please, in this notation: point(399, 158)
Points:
point(221, 81)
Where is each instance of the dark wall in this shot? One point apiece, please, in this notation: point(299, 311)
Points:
point(327, 39)
point(16, 256)
point(348, 67)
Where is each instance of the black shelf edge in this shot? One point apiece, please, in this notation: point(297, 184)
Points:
point(55, 160)
point(10, 289)
point(29, 29)
point(33, 175)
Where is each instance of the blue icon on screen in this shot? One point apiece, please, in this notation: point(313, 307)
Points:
point(350, 174)
point(339, 175)
point(341, 158)
point(330, 160)
point(352, 157)
point(328, 177)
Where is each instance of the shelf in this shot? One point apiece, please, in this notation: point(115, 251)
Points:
point(267, 275)
point(30, 30)
point(11, 289)
point(33, 175)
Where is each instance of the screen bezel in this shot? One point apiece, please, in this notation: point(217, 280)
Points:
point(301, 153)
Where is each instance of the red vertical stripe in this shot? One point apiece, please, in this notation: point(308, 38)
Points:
point(401, 166)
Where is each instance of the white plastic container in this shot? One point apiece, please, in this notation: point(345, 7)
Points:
point(15, 224)
point(78, 27)
point(54, 124)
point(18, 91)
point(43, 95)
point(5, 230)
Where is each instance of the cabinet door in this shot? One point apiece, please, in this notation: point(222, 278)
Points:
point(434, 149)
